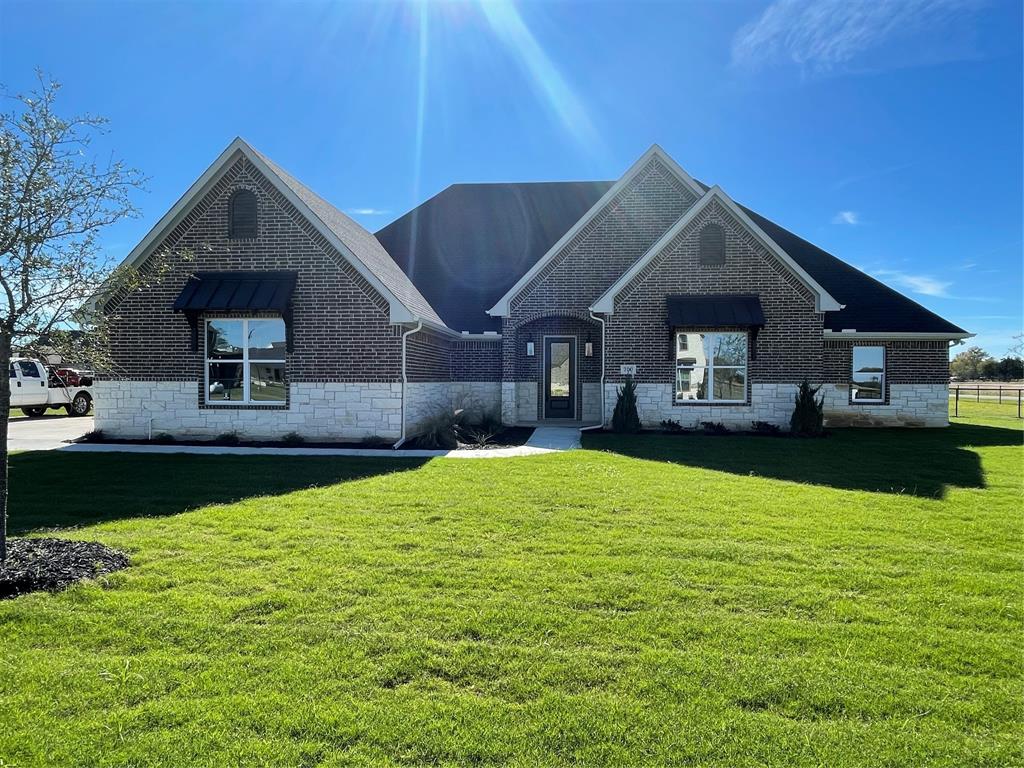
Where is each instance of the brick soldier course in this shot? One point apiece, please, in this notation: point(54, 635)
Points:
point(371, 354)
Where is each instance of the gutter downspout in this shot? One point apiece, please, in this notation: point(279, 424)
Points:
point(405, 379)
point(601, 424)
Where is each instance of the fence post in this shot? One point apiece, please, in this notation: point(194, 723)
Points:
point(1018, 402)
point(1000, 394)
point(977, 392)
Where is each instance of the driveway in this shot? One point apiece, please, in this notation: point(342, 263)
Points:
point(46, 432)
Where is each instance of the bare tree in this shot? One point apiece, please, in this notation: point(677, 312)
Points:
point(54, 201)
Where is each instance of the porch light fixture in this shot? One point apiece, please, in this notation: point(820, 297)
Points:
point(529, 349)
point(588, 347)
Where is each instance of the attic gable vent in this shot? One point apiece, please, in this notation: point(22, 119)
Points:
point(242, 215)
point(712, 244)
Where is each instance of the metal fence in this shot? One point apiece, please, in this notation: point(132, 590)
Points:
point(992, 392)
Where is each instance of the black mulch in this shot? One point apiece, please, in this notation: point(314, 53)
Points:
point(54, 564)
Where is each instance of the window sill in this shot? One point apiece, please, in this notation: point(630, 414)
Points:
point(236, 406)
point(685, 403)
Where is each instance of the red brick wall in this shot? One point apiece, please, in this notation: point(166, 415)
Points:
point(788, 347)
point(341, 328)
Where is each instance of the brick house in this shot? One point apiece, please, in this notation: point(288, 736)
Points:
point(276, 313)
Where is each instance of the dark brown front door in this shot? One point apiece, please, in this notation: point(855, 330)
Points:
point(560, 377)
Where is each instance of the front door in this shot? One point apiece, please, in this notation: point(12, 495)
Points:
point(560, 377)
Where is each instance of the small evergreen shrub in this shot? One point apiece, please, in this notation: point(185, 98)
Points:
point(765, 428)
point(808, 419)
point(671, 425)
point(714, 428)
point(96, 436)
point(293, 438)
point(163, 438)
point(625, 417)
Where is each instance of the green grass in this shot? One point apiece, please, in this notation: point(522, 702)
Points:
point(729, 601)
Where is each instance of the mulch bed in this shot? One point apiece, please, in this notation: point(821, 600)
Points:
point(51, 565)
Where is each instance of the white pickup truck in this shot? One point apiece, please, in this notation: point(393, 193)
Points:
point(34, 389)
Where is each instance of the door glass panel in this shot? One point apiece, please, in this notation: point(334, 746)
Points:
point(559, 363)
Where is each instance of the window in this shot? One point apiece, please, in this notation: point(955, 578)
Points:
point(712, 245)
point(242, 215)
point(711, 367)
point(867, 384)
point(29, 370)
point(245, 362)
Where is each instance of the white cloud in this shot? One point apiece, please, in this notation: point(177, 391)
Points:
point(367, 211)
point(846, 217)
point(822, 36)
point(922, 284)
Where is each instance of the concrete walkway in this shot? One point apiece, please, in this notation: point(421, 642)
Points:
point(543, 440)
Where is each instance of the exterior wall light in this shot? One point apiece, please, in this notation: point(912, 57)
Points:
point(588, 349)
point(529, 349)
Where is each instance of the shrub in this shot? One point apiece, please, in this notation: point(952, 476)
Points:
point(625, 417)
point(227, 438)
point(714, 428)
point(808, 419)
point(163, 438)
point(765, 428)
point(671, 425)
point(293, 438)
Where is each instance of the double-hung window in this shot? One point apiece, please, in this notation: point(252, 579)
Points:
point(867, 384)
point(245, 362)
point(711, 367)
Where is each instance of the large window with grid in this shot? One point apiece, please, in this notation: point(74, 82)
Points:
point(711, 367)
point(245, 361)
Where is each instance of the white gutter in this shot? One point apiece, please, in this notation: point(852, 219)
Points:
point(601, 424)
point(405, 378)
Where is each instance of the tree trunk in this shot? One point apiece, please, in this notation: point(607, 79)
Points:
point(5, 413)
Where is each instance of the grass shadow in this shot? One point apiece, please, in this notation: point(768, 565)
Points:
point(920, 462)
point(53, 489)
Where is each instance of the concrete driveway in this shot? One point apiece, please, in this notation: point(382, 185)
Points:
point(46, 432)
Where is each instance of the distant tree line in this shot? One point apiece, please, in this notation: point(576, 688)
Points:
point(975, 363)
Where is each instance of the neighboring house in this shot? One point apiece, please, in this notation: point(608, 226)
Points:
point(276, 313)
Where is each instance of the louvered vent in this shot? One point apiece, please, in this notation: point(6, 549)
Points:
point(712, 245)
point(242, 216)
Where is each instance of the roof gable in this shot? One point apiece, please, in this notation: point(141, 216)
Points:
point(824, 302)
point(356, 245)
point(502, 306)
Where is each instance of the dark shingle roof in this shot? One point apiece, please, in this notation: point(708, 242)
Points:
point(466, 246)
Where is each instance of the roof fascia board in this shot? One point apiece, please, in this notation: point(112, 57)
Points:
point(398, 312)
point(453, 334)
point(895, 335)
point(501, 308)
point(823, 301)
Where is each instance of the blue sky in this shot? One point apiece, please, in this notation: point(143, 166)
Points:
point(888, 133)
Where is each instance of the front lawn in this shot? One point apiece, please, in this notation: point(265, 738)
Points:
point(730, 601)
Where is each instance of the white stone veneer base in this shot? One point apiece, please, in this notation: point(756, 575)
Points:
point(526, 401)
point(910, 405)
point(425, 399)
point(772, 403)
point(317, 411)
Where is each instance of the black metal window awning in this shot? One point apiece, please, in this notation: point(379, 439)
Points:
point(237, 292)
point(717, 311)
